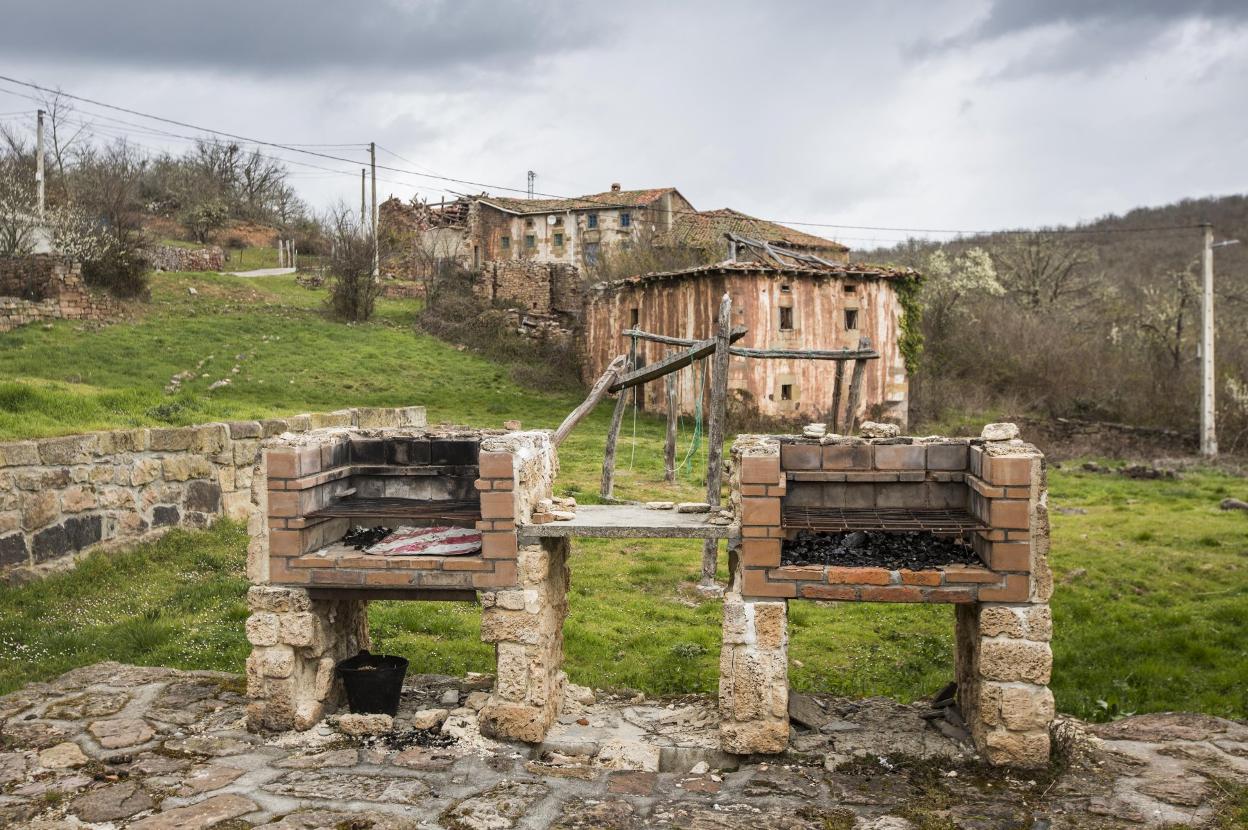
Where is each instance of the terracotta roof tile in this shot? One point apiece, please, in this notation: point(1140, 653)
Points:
point(705, 229)
point(612, 198)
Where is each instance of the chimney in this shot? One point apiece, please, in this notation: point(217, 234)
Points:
point(615, 187)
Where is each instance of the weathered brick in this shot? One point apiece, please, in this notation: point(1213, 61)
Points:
point(890, 593)
point(804, 573)
point(760, 552)
point(498, 545)
point(800, 456)
point(495, 465)
point(1009, 514)
point(503, 576)
point(858, 576)
point(900, 457)
point(1007, 470)
point(498, 505)
point(956, 573)
point(760, 511)
point(946, 457)
point(754, 584)
point(1016, 588)
point(1011, 556)
point(954, 595)
point(760, 469)
point(830, 592)
point(847, 457)
point(919, 577)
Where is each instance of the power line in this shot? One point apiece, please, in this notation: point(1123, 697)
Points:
point(589, 200)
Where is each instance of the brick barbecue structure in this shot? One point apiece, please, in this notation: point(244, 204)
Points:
point(992, 492)
point(311, 589)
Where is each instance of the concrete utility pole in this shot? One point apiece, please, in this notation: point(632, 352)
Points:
point(363, 209)
point(39, 161)
point(1208, 377)
point(372, 162)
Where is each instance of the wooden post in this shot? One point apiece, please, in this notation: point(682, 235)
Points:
point(669, 446)
point(855, 390)
point(607, 487)
point(835, 423)
point(716, 416)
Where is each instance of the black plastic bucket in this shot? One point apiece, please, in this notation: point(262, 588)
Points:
point(374, 682)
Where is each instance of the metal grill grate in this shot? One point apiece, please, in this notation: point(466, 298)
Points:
point(452, 511)
point(841, 519)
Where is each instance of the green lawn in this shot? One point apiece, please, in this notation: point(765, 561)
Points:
point(1152, 579)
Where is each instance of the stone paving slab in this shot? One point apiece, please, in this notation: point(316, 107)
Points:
point(629, 521)
point(609, 764)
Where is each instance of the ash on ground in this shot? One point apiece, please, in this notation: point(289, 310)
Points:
point(407, 738)
point(915, 550)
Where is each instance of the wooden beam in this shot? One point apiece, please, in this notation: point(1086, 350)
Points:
point(737, 333)
point(855, 390)
point(665, 366)
point(715, 431)
point(805, 354)
point(596, 394)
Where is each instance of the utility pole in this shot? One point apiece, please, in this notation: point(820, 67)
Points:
point(372, 162)
point(532, 181)
point(363, 209)
point(1208, 377)
point(39, 162)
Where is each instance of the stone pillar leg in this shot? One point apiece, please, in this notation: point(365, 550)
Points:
point(754, 676)
point(295, 643)
point(525, 623)
point(1003, 666)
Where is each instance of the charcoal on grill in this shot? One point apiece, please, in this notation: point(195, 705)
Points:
point(361, 538)
point(915, 550)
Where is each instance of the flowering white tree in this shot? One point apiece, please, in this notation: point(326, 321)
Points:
point(947, 280)
point(18, 222)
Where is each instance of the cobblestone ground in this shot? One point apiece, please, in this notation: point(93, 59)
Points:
point(113, 746)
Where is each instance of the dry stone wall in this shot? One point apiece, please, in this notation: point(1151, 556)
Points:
point(42, 287)
point(62, 497)
point(173, 258)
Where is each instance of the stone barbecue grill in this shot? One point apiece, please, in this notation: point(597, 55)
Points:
point(991, 494)
point(311, 589)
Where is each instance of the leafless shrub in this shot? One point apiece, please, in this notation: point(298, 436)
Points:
point(354, 288)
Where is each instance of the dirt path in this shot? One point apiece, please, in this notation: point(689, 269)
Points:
point(262, 272)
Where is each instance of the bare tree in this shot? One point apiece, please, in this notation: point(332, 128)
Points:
point(354, 290)
point(66, 134)
point(1040, 269)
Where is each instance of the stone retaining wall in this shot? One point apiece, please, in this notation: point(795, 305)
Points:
point(42, 287)
point(62, 497)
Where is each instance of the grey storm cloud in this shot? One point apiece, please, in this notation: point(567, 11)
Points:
point(294, 36)
point(1098, 33)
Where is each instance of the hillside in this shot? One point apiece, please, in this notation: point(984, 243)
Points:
point(1096, 321)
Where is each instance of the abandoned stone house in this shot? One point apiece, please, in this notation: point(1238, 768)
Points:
point(783, 306)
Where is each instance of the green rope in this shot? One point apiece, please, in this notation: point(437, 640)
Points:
point(697, 418)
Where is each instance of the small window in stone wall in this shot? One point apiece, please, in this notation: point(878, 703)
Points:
point(591, 221)
point(786, 289)
point(558, 240)
point(528, 223)
point(786, 318)
point(530, 240)
point(634, 317)
point(505, 242)
point(558, 221)
point(850, 288)
point(786, 391)
point(626, 219)
point(851, 319)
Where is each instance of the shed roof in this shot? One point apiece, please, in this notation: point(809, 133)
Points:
point(857, 270)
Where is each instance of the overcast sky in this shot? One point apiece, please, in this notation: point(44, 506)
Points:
point(961, 114)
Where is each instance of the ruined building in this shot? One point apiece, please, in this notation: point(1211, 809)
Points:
point(785, 303)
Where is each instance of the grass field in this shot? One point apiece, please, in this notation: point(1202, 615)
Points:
point(1152, 578)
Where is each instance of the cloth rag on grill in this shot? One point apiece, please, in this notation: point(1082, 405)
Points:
point(428, 541)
